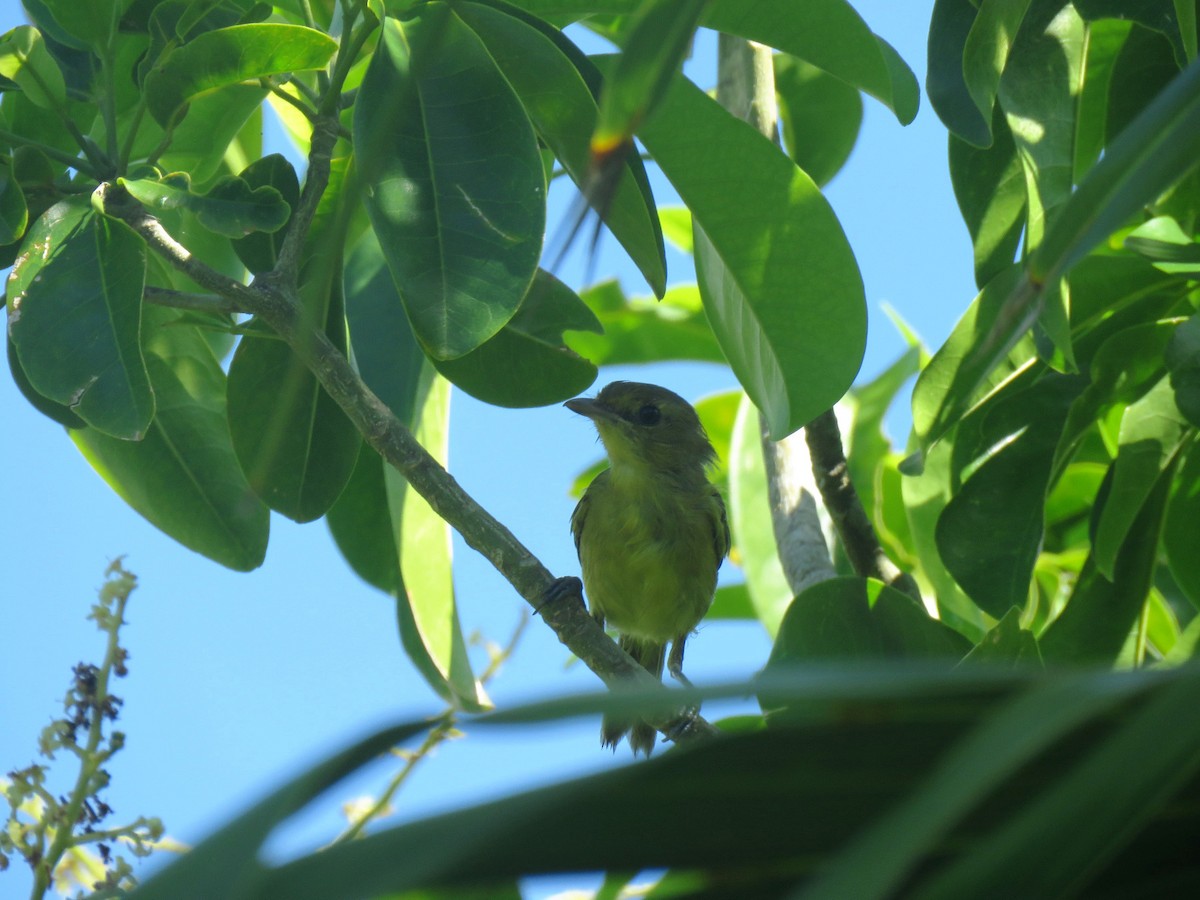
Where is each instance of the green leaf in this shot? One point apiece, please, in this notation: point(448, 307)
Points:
point(1152, 431)
point(732, 601)
point(1007, 644)
point(14, 213)
point(362, 526)
point(427, 608)
point(946, 81)
point(550, 77)
point(658, 40)
point(74, 314)
point(214, 121)
point(230, 207)
point(57, 412)
point(959, 372)
point(1101, 611)
point(226, 56)
point(1163, 16)
point(856, 618)
point(1183, 362)
point(830, 35)
point(1105, 41)
point(1181, 537)
point(1006, 495)
point(260, 250)
point(1156, 149)
point(393, 366)
point(985, 52)
point(183, 477)
point(819, 117)
point(750, 521)
point(25, 59)
point(457, 193)
point(1163, 240)
point(677, 227)
point(639, 329)
point(295, 444)
point(91, 24)
point(989, 185)
point(778, 278)
point(527, 363)
point(1041, 110)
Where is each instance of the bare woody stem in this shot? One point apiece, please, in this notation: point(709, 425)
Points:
point(273, 299)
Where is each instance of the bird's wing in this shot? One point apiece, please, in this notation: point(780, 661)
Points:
point(720, 522)
point(581, 509)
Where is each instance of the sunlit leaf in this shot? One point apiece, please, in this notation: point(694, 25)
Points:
point(230, 207)
point(25, 60)
point(819, 116)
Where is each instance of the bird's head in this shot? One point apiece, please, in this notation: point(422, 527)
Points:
point(647, 427)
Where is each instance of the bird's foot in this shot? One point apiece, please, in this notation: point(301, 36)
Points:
point(561, 589)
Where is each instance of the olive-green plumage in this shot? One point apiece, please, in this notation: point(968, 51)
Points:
point(650, 530)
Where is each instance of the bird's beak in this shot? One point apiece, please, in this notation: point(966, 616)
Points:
point(594, 410)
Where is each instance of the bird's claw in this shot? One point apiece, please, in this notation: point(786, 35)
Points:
point(560, 589)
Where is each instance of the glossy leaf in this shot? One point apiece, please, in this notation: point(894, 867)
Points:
point(259, 251)
point(183, 476)
point(457, 193)
point(750, 521)
point(1181, 537)
point(1006, 644)
point(1152, 430)
point(230, 207)
point(946, 81)
point(548, 75)
point(14, 213)
point(1183, 362)
point(56, 412)
point(228, 56)
point(1006, 495)
point(659, 37)
point(855, 618)
point(393, 366)
point(1156, 149)
point(1101, 611)
point(25, 60)
point(989, 185)
point(959, 371)
point(830, 35)
point(74, 314)
point(778, 278)
point(819, 116)
point(527, 363)
point(639, 329)
point(986, 51)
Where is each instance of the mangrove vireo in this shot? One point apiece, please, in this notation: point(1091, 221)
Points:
point(650, 530)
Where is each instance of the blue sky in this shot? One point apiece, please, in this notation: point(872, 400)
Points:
point(239, 680)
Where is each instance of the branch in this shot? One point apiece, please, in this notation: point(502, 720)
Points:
point(849, 518)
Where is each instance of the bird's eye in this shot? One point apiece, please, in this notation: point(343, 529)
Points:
point(648, 415)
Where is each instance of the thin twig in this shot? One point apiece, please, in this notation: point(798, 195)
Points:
point(210, 303)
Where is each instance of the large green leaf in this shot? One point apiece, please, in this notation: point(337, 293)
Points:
point(830, 35)
point(295, 444)
point(1183, 362)
point(25, 60)
point(259, 251)
point(1006, 644)
point(936, 760)
point(457, 191)
point(1152, 431)
point(551, 78)
point(1005, 495)
point(989, 185)
point(183, 476)
point(1155, 150)
point(855, 618)
point(527, 362)
point(362, 526)
point(986, 51)
point(57, 412)
point(226, 56)
point(1101, 611)
point(778, 277)
point(819, 116)
point(416, 540)
point(946, 81)
point(639, 330)
point(91, 24)
point(230, 207)
point(659, 38)
point(74, 314)
point(1181, 537)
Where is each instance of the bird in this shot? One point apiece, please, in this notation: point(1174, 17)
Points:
point(650, 531)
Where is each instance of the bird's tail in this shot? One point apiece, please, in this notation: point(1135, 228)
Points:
point(642, 735)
